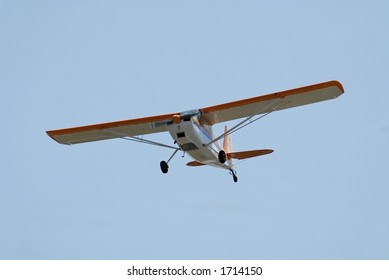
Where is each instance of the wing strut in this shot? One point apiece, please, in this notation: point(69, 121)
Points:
point(141, 140)
point(243, 123)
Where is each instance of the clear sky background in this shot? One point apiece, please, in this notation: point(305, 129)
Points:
point(323, 193)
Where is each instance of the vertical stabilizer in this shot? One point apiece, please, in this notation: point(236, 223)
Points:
point(227, 147)
point(227, 141)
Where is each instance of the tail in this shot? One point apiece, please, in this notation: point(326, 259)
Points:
point(227, 147)
point(231, 155)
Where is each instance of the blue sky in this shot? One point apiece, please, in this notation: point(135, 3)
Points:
point(323, 193)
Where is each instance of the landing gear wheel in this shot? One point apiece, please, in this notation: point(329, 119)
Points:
point(222, 156)
point(164, 167)
point(234, 177)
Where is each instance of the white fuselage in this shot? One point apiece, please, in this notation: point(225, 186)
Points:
point(193, 136)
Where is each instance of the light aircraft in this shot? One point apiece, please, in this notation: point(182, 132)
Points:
point(192, 130)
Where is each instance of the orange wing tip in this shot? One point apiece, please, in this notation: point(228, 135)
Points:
point(52, 136)
point(249, 154)
point(195, 163)
point(337, 84)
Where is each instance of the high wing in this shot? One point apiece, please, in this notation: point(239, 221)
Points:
point(215, 114)
point(272, 102)
point(111, 130)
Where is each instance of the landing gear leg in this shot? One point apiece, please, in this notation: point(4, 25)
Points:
point(164, 165)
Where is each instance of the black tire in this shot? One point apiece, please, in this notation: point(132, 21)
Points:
point(164, 167)
point(235, 178)
point(222, 156)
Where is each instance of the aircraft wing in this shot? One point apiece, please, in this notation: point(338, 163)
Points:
point(214, 114)
point(104, 131)
point(272, 102)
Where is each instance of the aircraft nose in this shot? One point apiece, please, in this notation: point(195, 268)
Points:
point(176, 119)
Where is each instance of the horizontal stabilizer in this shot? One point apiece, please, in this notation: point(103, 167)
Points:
point(249, 154)
point(195, 163)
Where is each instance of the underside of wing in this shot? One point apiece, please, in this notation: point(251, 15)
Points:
point(111, 130)
point(272, 102)
point(249, 154)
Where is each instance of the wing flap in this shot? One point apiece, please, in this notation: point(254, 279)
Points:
point(111, 130)
point(249, 154)
point(272, 102)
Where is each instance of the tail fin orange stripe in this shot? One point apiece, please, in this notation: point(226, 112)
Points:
point(226, 143)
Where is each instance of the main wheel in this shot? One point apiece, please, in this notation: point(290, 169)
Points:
point(164, 167)
point(222, 156)
point(235, 178)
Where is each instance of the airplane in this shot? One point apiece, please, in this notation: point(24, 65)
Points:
point(192, 131)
